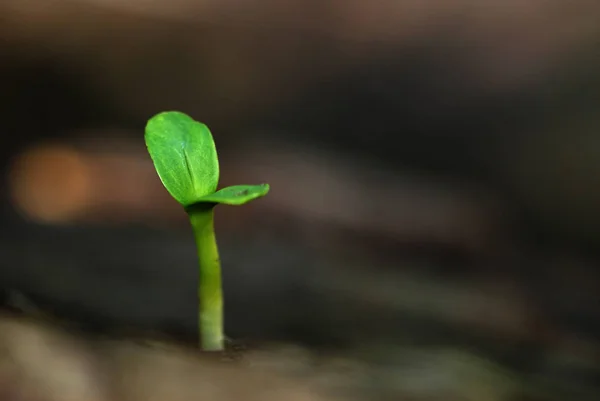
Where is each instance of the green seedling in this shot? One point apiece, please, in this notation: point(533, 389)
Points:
point(185, 158)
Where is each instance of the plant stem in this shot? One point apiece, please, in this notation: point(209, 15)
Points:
point(210, 293)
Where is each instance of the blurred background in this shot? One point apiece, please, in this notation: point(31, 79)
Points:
point(434, 169)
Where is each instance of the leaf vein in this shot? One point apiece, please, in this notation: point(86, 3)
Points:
point(188, 167)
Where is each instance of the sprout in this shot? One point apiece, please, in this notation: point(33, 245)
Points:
point(185, 158)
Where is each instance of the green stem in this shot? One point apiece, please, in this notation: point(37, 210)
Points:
point(210, 293)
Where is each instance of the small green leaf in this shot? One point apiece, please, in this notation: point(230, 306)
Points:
point(184, 155)
point(236, 195)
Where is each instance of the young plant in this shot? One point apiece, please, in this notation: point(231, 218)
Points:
point(185, 158)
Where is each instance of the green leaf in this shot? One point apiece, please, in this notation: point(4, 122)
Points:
point(236, 195)
point(184, 155)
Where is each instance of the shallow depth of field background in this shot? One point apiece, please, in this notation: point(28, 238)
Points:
point(434, 213)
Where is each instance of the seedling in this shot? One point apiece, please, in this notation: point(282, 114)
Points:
point(185, 158)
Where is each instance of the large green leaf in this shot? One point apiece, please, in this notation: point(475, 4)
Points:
point(184, 155)
point(236, 195)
